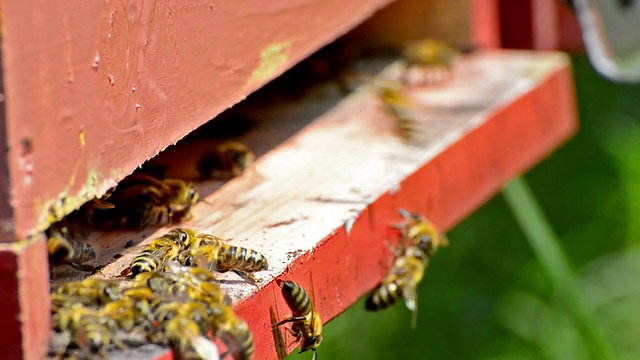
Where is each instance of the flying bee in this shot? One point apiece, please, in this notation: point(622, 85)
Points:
point(428, 61)
point(420, 232)
point(405, 275)
point(228, 160)
point(159, 251)
point(63, 250)
point(142, 200)
point(397, 105)
point(84, 329)
point(306, 324)
point(233, 331)
point(91, 291)
point(222, 257)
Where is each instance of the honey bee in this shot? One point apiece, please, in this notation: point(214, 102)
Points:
point(420, 232)
point(184, 336)
point(63, 250)
point(160, 251)
point(221, 257)
point(405, 275)
point(233, 331)
point(90, 291)
point(428, 61)
point(228, 160)
point(397, 104)
point(84, 328)
point(142, 200)
point(306, 324)
point(194, 283)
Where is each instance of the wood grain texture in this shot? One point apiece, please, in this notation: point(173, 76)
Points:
point(95, 88)
point(320, 205)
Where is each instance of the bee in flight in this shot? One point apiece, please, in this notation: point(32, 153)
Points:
point(228, 160)
point(428, 61)
point(142, 200)
point(401, 282)
point(420, 232)
point(306, 324)
point(420, 240)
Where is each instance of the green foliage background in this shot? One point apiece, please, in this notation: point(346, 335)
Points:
point(486, 296)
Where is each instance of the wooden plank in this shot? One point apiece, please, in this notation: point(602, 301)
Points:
point(24, 284)
point(321, 202)
point(94, 88)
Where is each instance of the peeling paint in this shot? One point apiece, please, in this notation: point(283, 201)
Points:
point(272, 58)
point(348, 225)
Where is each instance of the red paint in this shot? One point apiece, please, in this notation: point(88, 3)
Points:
point(447, 189)
point(24, 295)
point(344, 267)
point(101, 86)
point(539, 24)
point(485, 24)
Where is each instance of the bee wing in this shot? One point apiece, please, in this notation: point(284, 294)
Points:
point(411, 301)
point(205, 348)
point(100, 204)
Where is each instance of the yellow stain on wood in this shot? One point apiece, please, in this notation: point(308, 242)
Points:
point(272, 58)
point(54, 210)
point(82, 140)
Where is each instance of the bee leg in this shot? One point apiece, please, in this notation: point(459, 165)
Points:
point(83, 267)
point(248, 277)
point(396, 251)
point(315, 354)
point(291, 319)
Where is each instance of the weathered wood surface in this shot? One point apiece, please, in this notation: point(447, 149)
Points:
point(95, 88)
point(322, 201)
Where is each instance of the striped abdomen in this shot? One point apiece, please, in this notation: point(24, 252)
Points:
point(240, 258)
point(296, 297)
point(384, 296)
point(91, 334)
point(147, 261)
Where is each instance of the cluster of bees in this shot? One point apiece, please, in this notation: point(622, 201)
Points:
point(172, 297)
point(419, 241)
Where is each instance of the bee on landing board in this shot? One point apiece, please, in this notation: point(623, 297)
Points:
point(428, 61)
point(233, 331)
point(63, 250)
point(84, 330)
point(142, 200)
point(159, 251)
point(306, 324)
point(397, 104)
point(215, 254)
point(228, 160)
